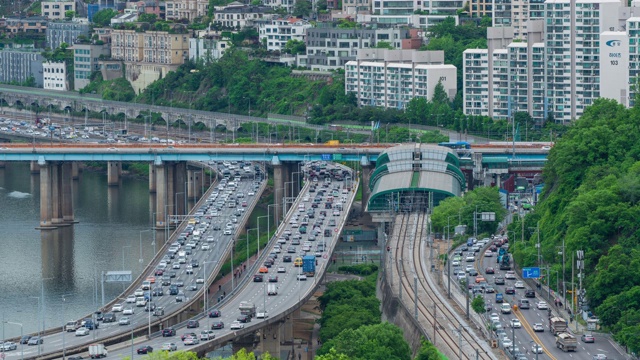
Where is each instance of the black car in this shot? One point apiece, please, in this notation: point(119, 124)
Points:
point(510, 290)
point(286, 258)
point(244, 318)
point(74, 357)
point(217, 325)
point(194, 263)
point(192, 324)
point(109, 317)
point(157, 291)
point(529, 293)
point(172, 274)
point(168, 332)
point(258, 278)
point(25, 339)
point(99, 316)
point(216, 227)
point(473, 272)
point(145, 349)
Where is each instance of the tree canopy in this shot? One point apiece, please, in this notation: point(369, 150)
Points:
point(460, 210)
point(371, 342)
point(104, 16)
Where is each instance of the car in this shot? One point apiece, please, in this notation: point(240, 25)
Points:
point(488, 253)
point(236, 325)
point(263, 270)
point(117, 308)
point(25, 339)
point(217, 325)
point(157, 291)
point(138, 292)
point(188, 334)
point(128, 311)
point(588, 338)
point(215, 313)
point(83, 331)
point(489, 270)
point(529, 293)
point(258, 278)
point(169, 347)
point(124, 320)
point(470, 258)
point(168, 332)
point(515, 323)
point(262, 315)
point(537, 349)
point(489, 289)
point(480, 279)
point(207, 335)
point(191, 324)
point(301, 277)
point(510, 275)
point(599, 357)
point(131, 299)
point(199, 280)
point(8, 346)
point(145, 349)
point(542, 305)
point(244, 318)
point(35, 340)
point(205, 247)
point(499, 280)
point(473, 272)
point(286, 258)
point(191, 340)
point(281, 269)
point(176, 266)
point(538, 327)
point(180, 297)
point(519, 285)
point(510, 290)
point(273, 278)
point(494, 317)
point(109, 317)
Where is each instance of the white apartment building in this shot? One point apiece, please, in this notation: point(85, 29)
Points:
point(85, 61)
point(186, 9)
point(238, 16)
point(283, 4)
point(276, 33)
point(55, 76)
point(475, 69)
point(391, 78)
point(56, 10)
point(633, 33)
point(411, 20)
point(207, 49)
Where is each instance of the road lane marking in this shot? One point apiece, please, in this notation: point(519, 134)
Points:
point(533, 334)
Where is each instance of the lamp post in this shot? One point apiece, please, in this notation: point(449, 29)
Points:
point(268, 231)
point(64, 308)
point(205, 290)
point(40, 314)
point(248, 241)
point(21, 335)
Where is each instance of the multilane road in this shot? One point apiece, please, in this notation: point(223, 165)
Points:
point(206, 258)
point(290, 291)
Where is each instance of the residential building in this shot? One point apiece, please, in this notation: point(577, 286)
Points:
point(501, 15)
point(475, 65)
point(277, 32)
point(86, 59)
point(158, 47)
point(356, 6)
point(411, 20)
point(186, 9)
point(55, 76)
point(104, 34)
point(633, 35)
point(19, 65)
point(32, 24)
point(391, 78)
point(127, 17)
point(56, 10)
point(330, 47)
point(207, 48)
point(59, 32)
point(238, 16)
point(405, 7)
point(480, 8)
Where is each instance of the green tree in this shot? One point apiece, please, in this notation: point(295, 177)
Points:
point(69, 14)
point(428, 352)
point(295, 47)
point(373, 342)
point(103, 17)
point(302, 8)
point(478, 304)
point(148, 18)
point(332, 355)
point(383, 45)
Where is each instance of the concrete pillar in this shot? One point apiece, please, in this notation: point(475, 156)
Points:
point(366, 191)
point(56, 193)
point(75, 170)
point(278, 185)
point(34, 167)
point(152, 178)
point(381, 238)
point(67, 193)
point(46, 208)
point(180, 174)
point(171, 191)
point(114, 169)
point(2, 164)
point(161, 194)
point(190, 186)
point(271, 339)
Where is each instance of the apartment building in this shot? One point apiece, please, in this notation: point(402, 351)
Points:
point(186, 9)
point(59, 32)
point(420, 21)
point(277, 32)
point(86, 59)
point(55, 76)
point(330, 47)
point(56, 10)
point(391, 78)
point(237, 15)
point(32, 24)
point(20, 65)
point(480, 8)
point(207, 48)
point(286, 5)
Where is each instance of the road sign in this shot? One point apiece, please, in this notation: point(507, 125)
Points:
point(326, 157)
point(531, 273)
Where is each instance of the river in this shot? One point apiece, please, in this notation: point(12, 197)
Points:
point(64, 265)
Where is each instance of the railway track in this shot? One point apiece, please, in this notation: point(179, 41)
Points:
point(447, 332)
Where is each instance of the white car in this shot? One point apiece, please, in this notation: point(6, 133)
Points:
point(507, 343)
point(510, 275)
point(227, 232)
point(494, 317)
point(83, 331)
point(470, 258)
point(131, 299)
point(117, 308)
point(488, 253)
point(200, 281)
point(281, 269)
point(205, 247)
point(124, 320)
point(262, 315)
point(236, 325)
point(537, 349)
point(538, 327)
point(139, 292)
point(176, 265)
point(542, 305)
point(515, 323)
point(455, 263)
point(519, 285)
point(128, 311)
point(301, 277)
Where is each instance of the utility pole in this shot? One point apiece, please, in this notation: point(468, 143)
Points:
point(435, 322)
point(415, 297)
point(564, 284)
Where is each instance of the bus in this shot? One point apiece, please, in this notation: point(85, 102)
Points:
point(456, 145)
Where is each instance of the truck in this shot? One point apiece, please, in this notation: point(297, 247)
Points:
point(72, 326)
point(309, 265)
point(333, 142)
point(97, 351)
point(505, 262)
point(499, 298)
point(247, 308)
point(272, 289)
point(557, 325)
point(566, 342)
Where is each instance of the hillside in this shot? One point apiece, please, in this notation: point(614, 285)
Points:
point(592, 201)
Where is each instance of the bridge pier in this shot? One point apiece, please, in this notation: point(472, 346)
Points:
point(152, 178)
point(279, 176)
point(67, 193)
point(194, 187)
point(169, 177)
point(75, 170)
point(56, 195)
point(180, 180)
point(161, 194)
point(114, 170)
point(34, 167)
point(366, 191)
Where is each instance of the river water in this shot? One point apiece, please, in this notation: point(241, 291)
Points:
point(65, 265)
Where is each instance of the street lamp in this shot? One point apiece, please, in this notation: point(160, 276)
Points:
point(64, 308)
point(268, 231)
point(21, 336)
point(248, 241)
point(205, 290)
point(42, 314)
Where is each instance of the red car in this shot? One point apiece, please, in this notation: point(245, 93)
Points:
point(489, 270)
point(186, 335)
point(145, 350)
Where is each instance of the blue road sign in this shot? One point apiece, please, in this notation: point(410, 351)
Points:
point(326, 157)
point(531, 273)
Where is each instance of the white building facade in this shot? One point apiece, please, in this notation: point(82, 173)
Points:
point(55, 76)
point(276, 33)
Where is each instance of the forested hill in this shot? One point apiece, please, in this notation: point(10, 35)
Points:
point(591, 200)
